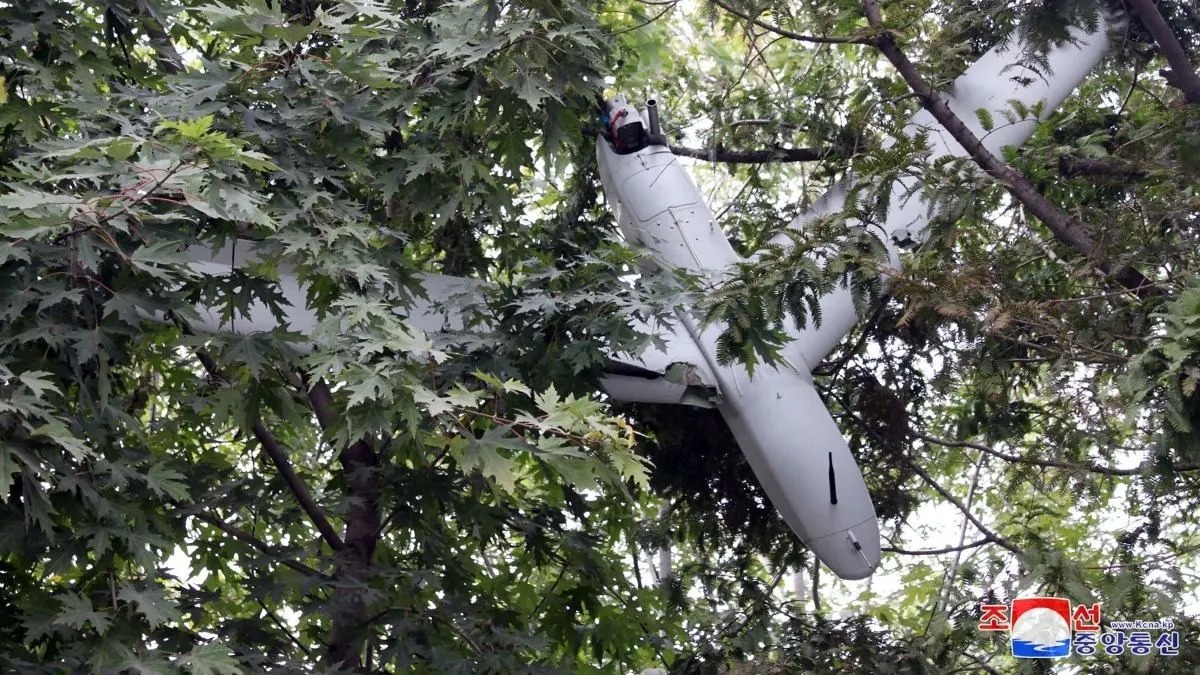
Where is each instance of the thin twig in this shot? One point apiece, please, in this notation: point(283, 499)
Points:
point(981, 663)
point(935, 551)
point(1053, 463)
point(991, 536)
point(734, 628)
point(287, 631)
point(1151, 560)
point(260, 545)
point(449, 623)
point(814, 39)
point(952, 572)
point(776, 154)
point(670, 6)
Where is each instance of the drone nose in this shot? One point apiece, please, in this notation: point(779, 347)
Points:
point(852, 553)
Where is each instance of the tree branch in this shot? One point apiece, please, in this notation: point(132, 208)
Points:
point(813, 39)
point(449, 623)
point(321, 400)
point(279, 457)
point(258, 544)
point(935, 551)
point(1182, 74)
point(1063, 226)
point(168, 57)
point(360, 463)
point(286, 630)
point(776, 154)
point(816, 588)
point(1053, 463)
point(364, 523)
point(734, 627)
point(988, 534)
point(981, 663)
point(1072, 165)
point(1153, 560)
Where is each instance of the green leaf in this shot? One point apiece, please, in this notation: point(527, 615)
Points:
point(163, 260)
point(985, 119)
point(256, 160)
point(58, 432)
point(23, 199)
point(435, 404)
point(75, 611)
point(486, 457)
point(122, 148)
point(368, 387)
point(166, 481)
point(151, 603)
point(578, 472)
point(210, 659)
point(191, 130)
point(38, 382)
point(633, 467)
point(531, 92)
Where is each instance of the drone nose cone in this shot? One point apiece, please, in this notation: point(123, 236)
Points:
point(852, 553)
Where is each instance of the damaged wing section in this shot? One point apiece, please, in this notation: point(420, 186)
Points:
point(677, 374)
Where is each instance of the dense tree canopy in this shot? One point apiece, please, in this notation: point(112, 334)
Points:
point(1025, 408)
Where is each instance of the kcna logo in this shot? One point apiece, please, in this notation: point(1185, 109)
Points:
point(1039, 628)
point(1046, 628)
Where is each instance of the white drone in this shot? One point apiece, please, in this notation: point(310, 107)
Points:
point(777, 417)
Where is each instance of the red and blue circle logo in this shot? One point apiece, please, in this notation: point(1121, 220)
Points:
point(1041, 628)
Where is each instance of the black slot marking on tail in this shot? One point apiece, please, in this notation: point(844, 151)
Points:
point(832, 482)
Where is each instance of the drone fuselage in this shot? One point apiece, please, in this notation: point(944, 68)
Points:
point(779, 421)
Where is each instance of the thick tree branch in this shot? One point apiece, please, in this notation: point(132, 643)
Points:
point(364, 522)
point(874, 16)
point(279, 457)
point(1182, 74)
point(1063, 226)
point(721, 154)
point(1053, 463)
point(321, 400)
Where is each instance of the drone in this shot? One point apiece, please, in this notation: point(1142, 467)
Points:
point(781, 425)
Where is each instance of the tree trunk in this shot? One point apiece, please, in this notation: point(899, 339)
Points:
point(360, 467)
